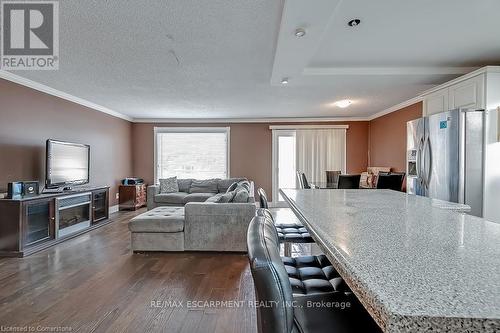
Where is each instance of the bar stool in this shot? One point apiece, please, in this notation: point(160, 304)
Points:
point(289, 232)
point(291, 288)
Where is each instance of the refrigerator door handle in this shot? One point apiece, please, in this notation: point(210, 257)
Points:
point(419, 160)
point(428, 165)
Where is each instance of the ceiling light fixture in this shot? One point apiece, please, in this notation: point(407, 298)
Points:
point(284, 80)
point(354, 23)
point(299, 32)
point(343, 103)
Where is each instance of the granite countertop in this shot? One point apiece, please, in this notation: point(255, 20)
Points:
point(416, 264)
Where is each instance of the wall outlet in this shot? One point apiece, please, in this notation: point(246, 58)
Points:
point(117, 196)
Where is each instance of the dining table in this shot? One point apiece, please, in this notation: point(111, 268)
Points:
point(324, 185)
point(330, 186)
point(416, 264)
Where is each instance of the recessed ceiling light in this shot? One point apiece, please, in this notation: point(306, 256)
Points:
point(343, 103)
point(299, 32)
point(284, 80)
point(354, 23)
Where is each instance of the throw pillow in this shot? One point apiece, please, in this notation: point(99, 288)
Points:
point(245, 184)
point(241, 196)
point(232, 187)
point(169, 185)
point(226, 182)
point(227, 197)
point(215, 198)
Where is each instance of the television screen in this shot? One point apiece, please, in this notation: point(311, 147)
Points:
point(67, 163)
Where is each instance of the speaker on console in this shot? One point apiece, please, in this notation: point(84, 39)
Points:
point(22, 189)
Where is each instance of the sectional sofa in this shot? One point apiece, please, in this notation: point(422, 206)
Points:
point(202, 216)
point(193, 190)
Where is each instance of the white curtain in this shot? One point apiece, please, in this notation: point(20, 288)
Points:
point(319, 150)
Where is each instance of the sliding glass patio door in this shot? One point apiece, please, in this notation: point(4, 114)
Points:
point(284, 163)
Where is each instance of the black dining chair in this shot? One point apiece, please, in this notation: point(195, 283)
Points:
point(332, 177)
point(349, 181)
point(390, 180)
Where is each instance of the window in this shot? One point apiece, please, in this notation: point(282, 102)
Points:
point(200, 153)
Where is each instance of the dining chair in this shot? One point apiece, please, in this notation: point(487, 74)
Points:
point(299, 179)
point(332, 176)
point(349, 181)
point(391, 181)
point(305, 183)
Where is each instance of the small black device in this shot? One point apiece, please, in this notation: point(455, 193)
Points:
point(30, 188)
point(132, 181)
point(22, 189)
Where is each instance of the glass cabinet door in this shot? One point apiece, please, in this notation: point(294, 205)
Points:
point(99, 206)
point(39, 222)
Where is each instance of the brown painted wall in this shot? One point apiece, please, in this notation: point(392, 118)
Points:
point(387, 137)
point(251, 150)
point(28, 118)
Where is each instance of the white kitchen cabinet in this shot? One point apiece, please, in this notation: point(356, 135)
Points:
point(464, 92)
point(468, 94)
point(436, 102)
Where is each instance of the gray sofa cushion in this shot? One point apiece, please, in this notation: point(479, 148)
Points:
point(204, 186)
point(224, 184)
point(171, 198)
point(197, 197)
point(241, 196)
point(184, 184)
point(160, 219)
point(169, 185)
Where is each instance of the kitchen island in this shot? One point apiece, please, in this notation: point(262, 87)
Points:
point(415, 266)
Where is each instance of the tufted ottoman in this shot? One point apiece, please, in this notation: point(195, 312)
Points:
point(160, 229)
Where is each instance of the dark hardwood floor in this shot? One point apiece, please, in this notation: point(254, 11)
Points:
point(93, 283)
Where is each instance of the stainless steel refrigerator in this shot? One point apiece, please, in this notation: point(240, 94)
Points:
point(445, 156)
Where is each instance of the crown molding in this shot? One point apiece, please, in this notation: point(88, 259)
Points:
point(387, 70)
point(245, 120)
point(57, 93)
point(396, 107)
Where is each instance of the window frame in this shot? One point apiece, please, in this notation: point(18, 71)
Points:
point(161, 129)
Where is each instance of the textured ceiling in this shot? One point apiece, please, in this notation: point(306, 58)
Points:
point(214, 59)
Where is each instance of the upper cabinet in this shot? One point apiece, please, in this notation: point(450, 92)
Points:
point(475, 90)
point(436, 102)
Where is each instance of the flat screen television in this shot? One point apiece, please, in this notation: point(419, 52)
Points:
point(67, 164)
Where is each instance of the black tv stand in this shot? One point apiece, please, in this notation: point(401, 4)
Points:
point(31, 224)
